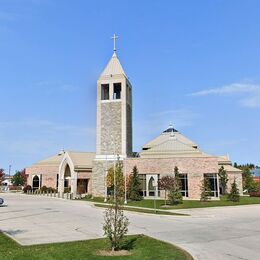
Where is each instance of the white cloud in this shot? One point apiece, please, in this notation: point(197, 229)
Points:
point(249, 94)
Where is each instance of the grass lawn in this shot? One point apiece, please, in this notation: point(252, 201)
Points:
point(148, 203)
point(141, 247)
point(150, 211)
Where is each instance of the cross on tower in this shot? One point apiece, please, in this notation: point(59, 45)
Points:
point(114, 38)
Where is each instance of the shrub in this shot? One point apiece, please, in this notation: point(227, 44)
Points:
point(175, 196)
point(134, 186)
point(234, 192)
point(14, 187)
point(205, 190)
point(50, 189)
point(67, 190)
point(27, 188)
point(88, 196)
point(44, 189)
point(254, 194)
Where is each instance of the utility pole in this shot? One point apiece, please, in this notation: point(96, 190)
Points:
point(9, 171)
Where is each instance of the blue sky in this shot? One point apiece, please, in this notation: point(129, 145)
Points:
point(193, 63)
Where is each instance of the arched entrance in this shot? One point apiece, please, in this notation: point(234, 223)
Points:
point(36, 182)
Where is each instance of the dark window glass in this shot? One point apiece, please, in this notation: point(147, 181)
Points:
point(105, 91)
point(117, 91)
point(184, 185)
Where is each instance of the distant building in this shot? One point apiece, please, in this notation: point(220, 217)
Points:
point(256, 174)
point(85, 172)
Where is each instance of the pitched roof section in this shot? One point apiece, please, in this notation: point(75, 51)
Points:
point(171, 144)
point(50, 161)
point(81, 160)
point(164, 136)
point(113, 67)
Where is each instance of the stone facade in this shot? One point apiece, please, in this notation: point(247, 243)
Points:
point(98, 177)
point(111, 125)
point(129, 130)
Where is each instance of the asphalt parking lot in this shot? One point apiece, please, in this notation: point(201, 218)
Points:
point(213, 233)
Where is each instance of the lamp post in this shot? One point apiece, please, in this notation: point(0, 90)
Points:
point(105, 177)
point(125, 202)
point(114, 162)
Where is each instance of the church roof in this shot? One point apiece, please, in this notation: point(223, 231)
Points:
point(54, 160)
point(164, 136)
point(81, 160)
point(170, 143)
point(113, 67)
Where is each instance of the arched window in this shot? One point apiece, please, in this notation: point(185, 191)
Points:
point(36, 182)
point(151, 187)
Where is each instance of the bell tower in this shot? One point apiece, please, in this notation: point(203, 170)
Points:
point(114, 111)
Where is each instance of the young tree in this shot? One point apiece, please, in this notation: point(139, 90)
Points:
point(175, 196)
point(116, 224)
point(166, 183)
point(234, 192)
point(19, 179)
point(134, 185)
point(223, 179)
point(205, 190)
point(120, 184)
point(2, 175)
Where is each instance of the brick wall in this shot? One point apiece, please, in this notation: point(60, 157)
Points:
point(193, 167)
point(48, 175)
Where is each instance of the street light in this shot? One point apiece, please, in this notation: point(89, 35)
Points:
point(125, 202)
point(105, 177)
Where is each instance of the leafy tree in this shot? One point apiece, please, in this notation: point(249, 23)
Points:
point(2, 175)
point(175, 196)
point(205, 190)
point(248, 181)
point(120, 184)
point(19, 179)
point(223, 179)
point(166, 183)
point(234, 192)
point(116, 224)
point(247, 177)
point(134, 185)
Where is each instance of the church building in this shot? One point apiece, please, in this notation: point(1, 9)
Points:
point(85, 172)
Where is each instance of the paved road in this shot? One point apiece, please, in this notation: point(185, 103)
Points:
point(214, 233)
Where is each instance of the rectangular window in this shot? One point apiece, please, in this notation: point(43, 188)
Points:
point(104, 91)
point(184, 185)
point(213, 183)
point(117, 91)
